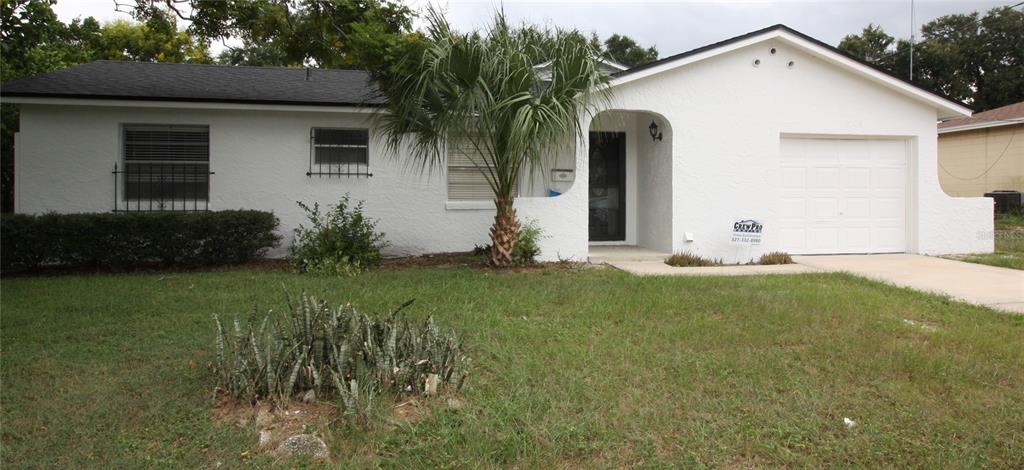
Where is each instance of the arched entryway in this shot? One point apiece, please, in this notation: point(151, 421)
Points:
point(630, 180)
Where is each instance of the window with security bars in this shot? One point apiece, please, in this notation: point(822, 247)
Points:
point(466, 181)
point(339, 152)
point(166, 167)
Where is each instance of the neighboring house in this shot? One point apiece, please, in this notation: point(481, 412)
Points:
point(983, 153)
point(772, 128)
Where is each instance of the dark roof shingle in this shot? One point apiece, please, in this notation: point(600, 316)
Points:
point(108, 79)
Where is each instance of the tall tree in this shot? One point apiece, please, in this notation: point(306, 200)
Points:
point(974, 59)
point(480, 91)
point(872, 45)
point(285, 32)
point(626, 51)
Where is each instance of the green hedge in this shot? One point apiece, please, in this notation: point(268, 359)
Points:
point(125, 241)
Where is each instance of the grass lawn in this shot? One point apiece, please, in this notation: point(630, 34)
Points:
point(587, 368)
point(1009, 252)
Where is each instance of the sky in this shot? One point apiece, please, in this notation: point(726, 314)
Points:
point(671, 26)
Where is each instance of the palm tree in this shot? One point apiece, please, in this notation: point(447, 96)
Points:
point(481, 91)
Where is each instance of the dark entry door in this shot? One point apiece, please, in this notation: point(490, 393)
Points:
point(607, 186)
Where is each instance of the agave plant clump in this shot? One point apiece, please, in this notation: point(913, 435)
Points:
point(335, 353)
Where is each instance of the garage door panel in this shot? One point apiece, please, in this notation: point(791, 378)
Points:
point(888, 208)
point(890, 178)
point(856, 239)
point(824, 208)
point(824, 178)
point(796, 238)
point(856, 178)
point(887, 239)
point(823, 239)
point(794, 178)
point(857, 208)
point(892, 151)
point(843, 196)
point(793, 208)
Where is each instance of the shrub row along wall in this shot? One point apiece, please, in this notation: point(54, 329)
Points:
point(123, 241)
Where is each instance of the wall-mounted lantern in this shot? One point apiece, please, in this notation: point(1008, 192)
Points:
point(655, 135)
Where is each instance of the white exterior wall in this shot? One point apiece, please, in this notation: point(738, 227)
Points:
point(722, 121)
point(726, 118)
point(66, 153)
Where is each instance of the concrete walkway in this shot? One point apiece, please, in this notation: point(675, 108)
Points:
point(644, 262)
point(998, 288)
point(659, 268)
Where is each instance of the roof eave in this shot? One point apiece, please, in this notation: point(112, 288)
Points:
point(980, 125)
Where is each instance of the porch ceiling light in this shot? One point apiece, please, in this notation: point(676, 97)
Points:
point(655, 135)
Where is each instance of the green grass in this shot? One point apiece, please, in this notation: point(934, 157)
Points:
point(591, 368)
point(1010, 221)
point(1009, 252)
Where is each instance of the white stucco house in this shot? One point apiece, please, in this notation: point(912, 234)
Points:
point(773, 128)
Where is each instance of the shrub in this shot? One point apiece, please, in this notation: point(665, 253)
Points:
point(124, 241)
point(341, 241)
point(775, 257)
point(527, 243)
point(335, 353)
point(687, 259)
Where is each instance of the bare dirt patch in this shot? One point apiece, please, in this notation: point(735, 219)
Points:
point(273, 425)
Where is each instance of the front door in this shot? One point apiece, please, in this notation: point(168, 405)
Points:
point(607, 186)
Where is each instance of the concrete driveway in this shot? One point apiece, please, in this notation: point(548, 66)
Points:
point(998, 288)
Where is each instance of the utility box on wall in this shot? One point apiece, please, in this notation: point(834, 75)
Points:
point(563, 175)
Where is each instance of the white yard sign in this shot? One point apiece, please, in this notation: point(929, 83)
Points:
point(747, 232)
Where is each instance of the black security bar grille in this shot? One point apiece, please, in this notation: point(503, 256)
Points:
point(166, 168)
point(143, 187)
point(339, 152)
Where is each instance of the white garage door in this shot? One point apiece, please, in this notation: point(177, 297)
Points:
point(843, 196)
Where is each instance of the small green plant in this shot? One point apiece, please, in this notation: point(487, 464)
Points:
point(775, 257)
point(335, 353)
point(527, 244)
point(340, 242)
point(687, 259)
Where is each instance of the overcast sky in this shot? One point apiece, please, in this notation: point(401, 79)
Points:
point(672, 26)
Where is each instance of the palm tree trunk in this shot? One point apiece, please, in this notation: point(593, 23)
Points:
point(504, 233)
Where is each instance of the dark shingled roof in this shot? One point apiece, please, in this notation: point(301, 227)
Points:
point(110, 79)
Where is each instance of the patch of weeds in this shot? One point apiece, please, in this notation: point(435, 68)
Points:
point(775, 257)
point(687, 259)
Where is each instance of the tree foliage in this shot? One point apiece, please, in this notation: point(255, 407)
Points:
point(286, 32)
point(480, 91)
point(972, 58)
point(626, 51)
